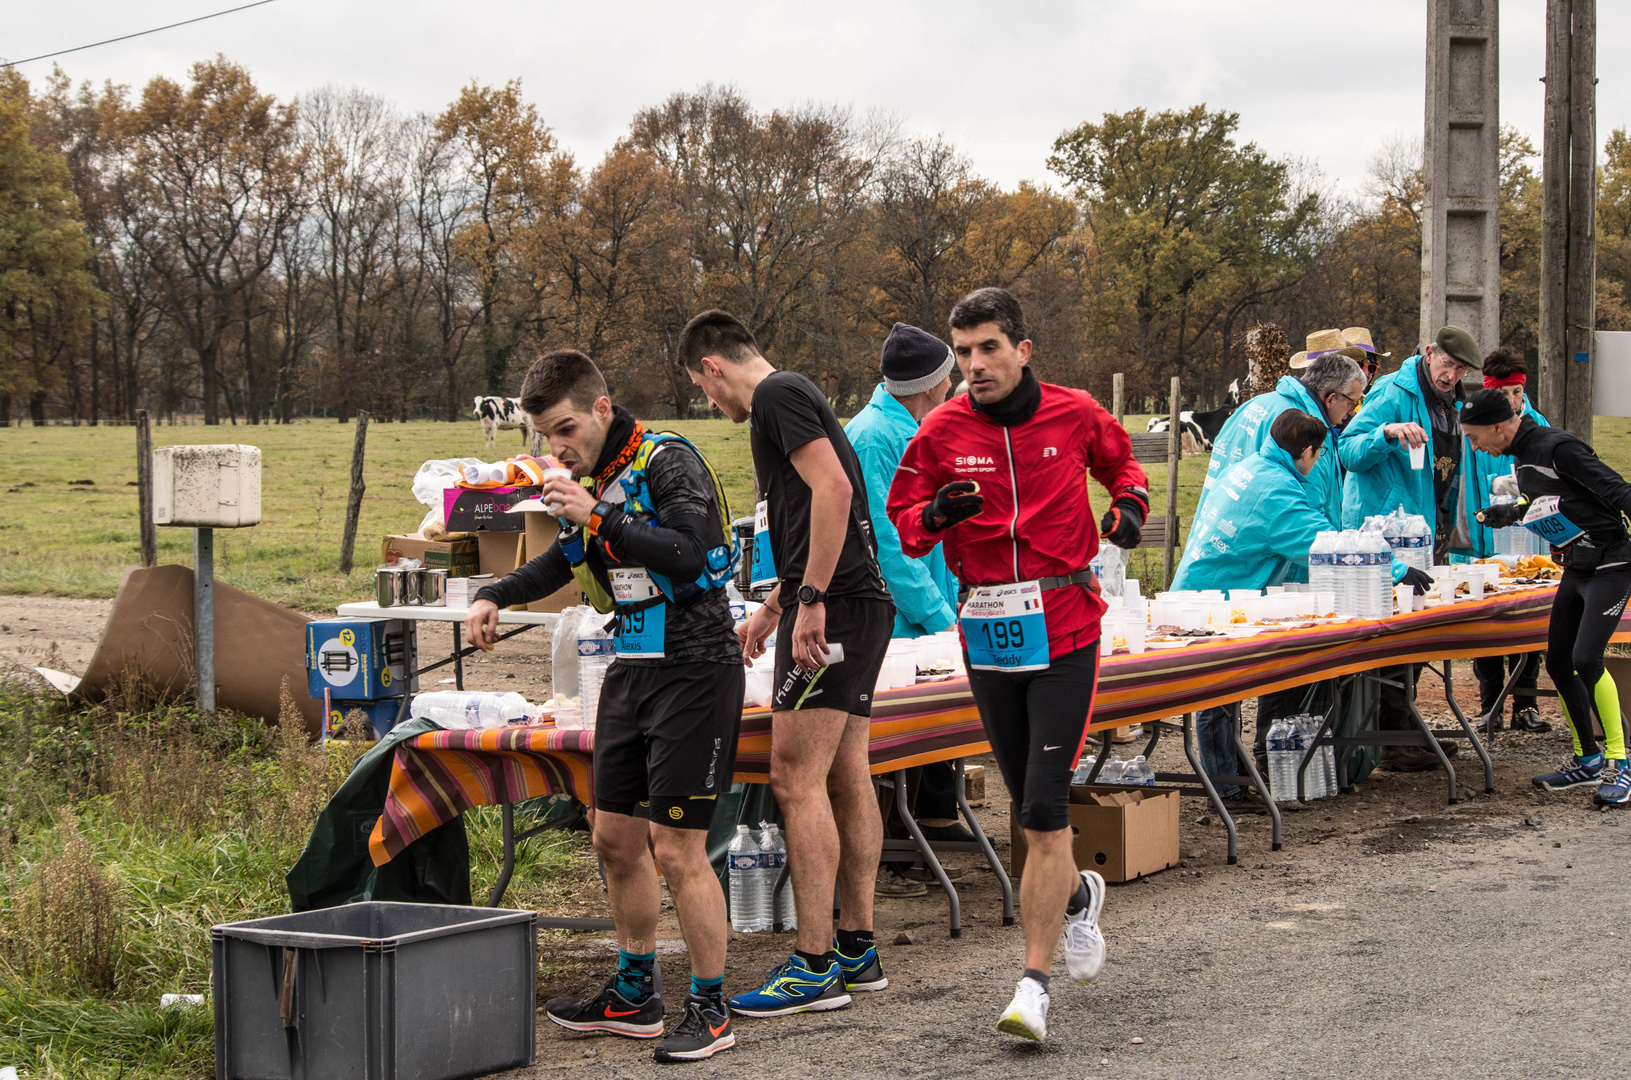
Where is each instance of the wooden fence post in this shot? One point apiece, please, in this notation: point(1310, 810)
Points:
point(353, 505)
point(1117, 397)
point(144, 489)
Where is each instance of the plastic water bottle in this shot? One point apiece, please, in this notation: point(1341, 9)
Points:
point(1084, 767)
point(595, 653)
point(1277, 759)
point(1322, 563)
point(1314, 780)
point(1384, 579)
point(1138, 773)
point(747, 908)
point(1418, 536)
point(1111, 773)
point(1349, 565)
point(1393, 531)
point(469, 709)
point(1328, 764)
point(772, 858)
point(1378, 579)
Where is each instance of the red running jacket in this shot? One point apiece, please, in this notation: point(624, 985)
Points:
point(1050, 530)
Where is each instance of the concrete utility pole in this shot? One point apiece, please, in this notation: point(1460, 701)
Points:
point(1461, 173)
point(1568, 216)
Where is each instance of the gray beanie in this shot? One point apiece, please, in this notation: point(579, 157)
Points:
point(914, 360)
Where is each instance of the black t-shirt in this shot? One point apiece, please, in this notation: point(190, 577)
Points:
point(788, 411)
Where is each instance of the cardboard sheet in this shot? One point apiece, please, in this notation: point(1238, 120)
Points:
point(257, 644)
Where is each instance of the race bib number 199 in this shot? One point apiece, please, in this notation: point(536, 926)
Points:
point(1004, 628)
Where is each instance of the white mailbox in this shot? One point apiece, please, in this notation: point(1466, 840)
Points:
point(207, 487)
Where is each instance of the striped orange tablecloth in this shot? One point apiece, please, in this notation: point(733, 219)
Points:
point(439, 775)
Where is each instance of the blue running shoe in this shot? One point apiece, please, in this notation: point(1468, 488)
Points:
point(1578, 772)
point(1615, 790)
point(861, 972)
point(794, 988)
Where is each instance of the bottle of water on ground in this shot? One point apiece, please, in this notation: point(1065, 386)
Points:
point(1277, 760)
point(747, 908)
point(595, 653)
point(468, 709)
point(772, 858)
point(1111, 773)
point(1314, 782)
point(1083, 768)
point(1138, 773)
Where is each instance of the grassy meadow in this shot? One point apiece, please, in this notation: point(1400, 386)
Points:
point(58, 538)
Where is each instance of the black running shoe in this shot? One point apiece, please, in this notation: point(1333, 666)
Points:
point(703, 1031)
point(609, 1011)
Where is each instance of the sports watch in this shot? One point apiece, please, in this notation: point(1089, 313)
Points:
point(809, 594)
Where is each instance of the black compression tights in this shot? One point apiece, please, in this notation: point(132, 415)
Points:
point(1586, 612)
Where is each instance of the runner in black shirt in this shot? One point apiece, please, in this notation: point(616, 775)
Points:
point(813, 537)
point(645, 532)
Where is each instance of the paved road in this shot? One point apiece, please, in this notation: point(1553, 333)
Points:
point(1395, 936)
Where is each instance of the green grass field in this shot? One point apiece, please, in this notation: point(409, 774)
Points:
point(75, 540)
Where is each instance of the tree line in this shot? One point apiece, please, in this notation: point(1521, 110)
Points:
point(201, 248)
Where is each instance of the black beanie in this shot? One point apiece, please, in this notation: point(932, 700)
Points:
point(1487, 407)
point(914, 360)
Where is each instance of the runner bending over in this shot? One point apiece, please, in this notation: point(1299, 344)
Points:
point(1579, 506)
point(813, 538)
point(999, 477)
point(645, 531)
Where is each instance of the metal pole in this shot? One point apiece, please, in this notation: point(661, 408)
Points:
point(204, 616)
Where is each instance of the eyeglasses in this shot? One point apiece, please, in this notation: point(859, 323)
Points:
point(1350, 400)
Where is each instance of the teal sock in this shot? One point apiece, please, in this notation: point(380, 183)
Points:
point(712, 989)
point(633, 971)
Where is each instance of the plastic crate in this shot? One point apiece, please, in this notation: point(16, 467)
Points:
point(375, 991)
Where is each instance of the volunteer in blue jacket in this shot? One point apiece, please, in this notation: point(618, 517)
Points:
point(1256, 536)
point(1329, 389)
point(1416, 406)
point(917, 369)
point(1504, 370)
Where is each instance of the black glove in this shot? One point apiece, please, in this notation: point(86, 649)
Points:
point(955, 503)
point(1504, 514)
point(1418, 579)
point(1124, 524)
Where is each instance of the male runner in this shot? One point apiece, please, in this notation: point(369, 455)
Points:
point(812, 537)
point(999, 477)
point(1579, 505)
point(645, 531)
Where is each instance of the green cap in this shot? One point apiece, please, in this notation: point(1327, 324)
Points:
point(1459, 344)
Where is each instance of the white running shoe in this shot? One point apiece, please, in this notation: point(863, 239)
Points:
point(1084, 944)
point(1026, 1015)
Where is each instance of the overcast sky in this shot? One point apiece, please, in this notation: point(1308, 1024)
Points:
point(1318, 80)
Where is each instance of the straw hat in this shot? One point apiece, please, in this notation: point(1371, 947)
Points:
point(1360, 335)
point(1323, 342)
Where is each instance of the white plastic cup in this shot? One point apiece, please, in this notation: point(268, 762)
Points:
point(1325, 603)
point(1107, 643)
point(1192, 617)
point(1219, 612)
point(1129, 587)
point(1305, 604)
point(1135, 631)
point(1418, 456)
point(1403, 598)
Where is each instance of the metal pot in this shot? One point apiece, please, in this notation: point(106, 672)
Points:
point(430, 586)
point(390, 586)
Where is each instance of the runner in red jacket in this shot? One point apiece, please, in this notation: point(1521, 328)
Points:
point(999, 477)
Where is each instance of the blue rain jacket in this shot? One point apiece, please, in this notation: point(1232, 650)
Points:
point(1257, 528)
point(1481, 470)
point(1246, 432)
point(1379, 477)
point(925, 590)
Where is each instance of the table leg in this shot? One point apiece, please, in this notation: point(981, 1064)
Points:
point(929, 858)
point(458, 659)
point(776, 900)
point(985, 845)
point(1263, 792)
point(410, 664)
point(1472, 734)
point(1206, 782)
point(1421, 724)
point(503, 881)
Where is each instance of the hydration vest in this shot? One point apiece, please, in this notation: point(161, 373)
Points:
point(721, 561)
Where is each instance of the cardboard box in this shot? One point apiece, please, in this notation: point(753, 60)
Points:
point(974, 784)
point(541, 530)
point(363, 659)
point(484, 509)
point(381, 715)
point(458, 557)
point(1123, 833)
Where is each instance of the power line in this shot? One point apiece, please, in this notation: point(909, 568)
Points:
point(137, 34)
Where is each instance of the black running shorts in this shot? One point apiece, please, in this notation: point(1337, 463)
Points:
point(863, 628)
point(665, 741)
point(1036, 723)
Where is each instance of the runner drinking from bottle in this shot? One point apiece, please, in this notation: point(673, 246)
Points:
point(1579, 506)
point(646, 533)
point(999, 477)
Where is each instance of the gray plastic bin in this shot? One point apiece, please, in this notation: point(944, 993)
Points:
point(375, 991)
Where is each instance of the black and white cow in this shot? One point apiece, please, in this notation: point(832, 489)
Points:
point(1202, 427)
point(503, 414)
